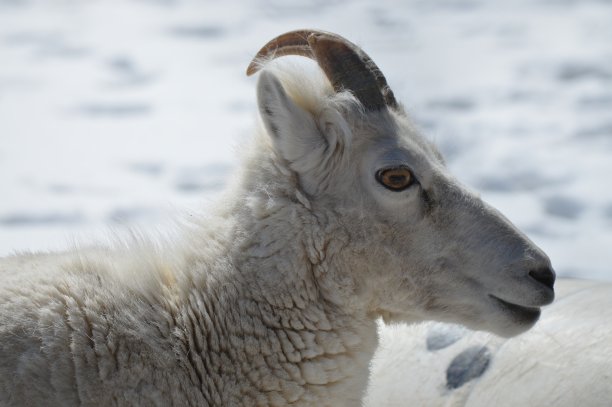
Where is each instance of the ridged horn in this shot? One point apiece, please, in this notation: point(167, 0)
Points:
point(346, 65)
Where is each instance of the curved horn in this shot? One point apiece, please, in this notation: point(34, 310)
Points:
point(345, 64)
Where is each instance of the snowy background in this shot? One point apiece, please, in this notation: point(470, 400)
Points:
point(126, 112)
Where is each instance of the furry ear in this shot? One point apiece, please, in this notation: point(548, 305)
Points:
point(293, 131)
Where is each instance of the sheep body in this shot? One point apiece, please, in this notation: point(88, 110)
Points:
point(101, 328)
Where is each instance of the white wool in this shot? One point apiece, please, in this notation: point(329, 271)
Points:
point(271, 298)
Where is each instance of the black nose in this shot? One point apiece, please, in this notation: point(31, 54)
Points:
point(545, 276)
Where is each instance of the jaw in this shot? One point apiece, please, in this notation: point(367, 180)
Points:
point(513, 319)
point(497, 316)
point(491, 314)
point(506, 308)
point(510, 314)
point(506, 312)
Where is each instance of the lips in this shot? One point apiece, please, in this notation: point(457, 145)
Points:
point(519, 312)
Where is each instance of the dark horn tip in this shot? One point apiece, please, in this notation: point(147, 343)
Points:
point(253, 68)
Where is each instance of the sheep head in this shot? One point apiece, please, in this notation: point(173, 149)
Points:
point(420, 245)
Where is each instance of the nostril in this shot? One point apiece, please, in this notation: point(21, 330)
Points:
point(545, 276)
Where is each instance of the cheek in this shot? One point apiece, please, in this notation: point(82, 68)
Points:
point(402, 211)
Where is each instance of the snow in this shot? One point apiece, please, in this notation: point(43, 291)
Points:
point(120, 113)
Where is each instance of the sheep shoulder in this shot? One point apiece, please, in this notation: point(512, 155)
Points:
point(205, 326)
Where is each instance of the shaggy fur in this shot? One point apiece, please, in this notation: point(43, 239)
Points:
point(273, 298)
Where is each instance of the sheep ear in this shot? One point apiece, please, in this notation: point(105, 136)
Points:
point(293, 130)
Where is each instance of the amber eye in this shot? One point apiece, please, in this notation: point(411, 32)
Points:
point(395, 179)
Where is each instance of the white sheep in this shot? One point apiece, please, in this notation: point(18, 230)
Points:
point(342, 213)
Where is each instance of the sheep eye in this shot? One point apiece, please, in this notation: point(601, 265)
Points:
point(395, 179)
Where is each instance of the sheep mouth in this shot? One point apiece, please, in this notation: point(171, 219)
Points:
point(519, 312)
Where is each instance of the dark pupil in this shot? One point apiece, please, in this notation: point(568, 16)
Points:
point(397, 180)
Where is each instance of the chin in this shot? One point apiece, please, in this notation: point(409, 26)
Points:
point(511, 322)
point(512, 319)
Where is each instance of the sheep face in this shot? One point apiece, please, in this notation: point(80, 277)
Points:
point(460, 259)
point(417, 244)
